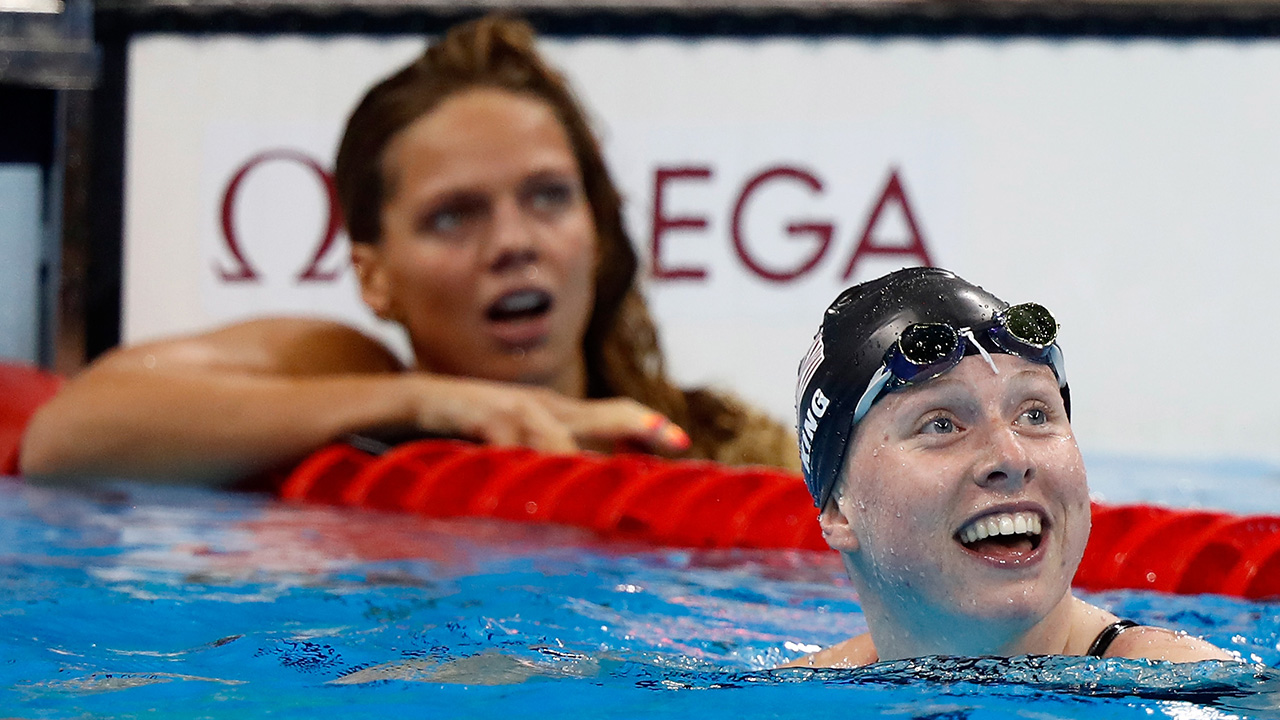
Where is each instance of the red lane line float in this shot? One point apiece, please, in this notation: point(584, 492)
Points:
point(682, 503)
point(702, 504)
point(689, 503)
point(23, 389)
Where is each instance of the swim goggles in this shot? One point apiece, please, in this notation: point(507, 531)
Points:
point(924, 351)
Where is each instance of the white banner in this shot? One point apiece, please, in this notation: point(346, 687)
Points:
point(1126, 185)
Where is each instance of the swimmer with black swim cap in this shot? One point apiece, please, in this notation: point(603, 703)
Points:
point(935, 438)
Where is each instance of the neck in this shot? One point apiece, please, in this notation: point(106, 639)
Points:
point(571, 380)
point(907, 628)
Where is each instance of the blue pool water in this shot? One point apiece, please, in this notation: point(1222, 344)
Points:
point(132, 601)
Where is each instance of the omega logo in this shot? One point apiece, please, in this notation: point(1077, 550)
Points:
point(241, 269)
point(819, 233)
point(666, 179)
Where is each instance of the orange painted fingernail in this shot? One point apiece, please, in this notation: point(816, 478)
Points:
point(654, 422)
point(676, 436)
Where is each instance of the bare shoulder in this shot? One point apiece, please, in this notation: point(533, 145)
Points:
point(854, 652)
point(1156, 643)
point(281, 345)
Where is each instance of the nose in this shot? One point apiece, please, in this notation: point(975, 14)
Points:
point(512, 244)
point(1006, 465)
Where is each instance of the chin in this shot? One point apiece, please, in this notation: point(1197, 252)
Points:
point(529, 366)
point(539, 367)
point(1017, 603)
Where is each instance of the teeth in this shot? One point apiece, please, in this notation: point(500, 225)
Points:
point(520, 302)
point(1023, 523)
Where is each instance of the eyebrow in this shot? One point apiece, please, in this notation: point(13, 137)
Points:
point(439, 193)
point(1031, 374)
point(942, 390)
point(555, 175)
point(953, 389)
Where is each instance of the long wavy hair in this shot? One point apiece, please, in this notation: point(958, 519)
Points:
point(620, 346)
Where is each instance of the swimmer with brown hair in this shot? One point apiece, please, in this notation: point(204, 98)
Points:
point(484, 221)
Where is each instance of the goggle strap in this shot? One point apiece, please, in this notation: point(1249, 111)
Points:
point(968, 332)
point(1059, 367)
point(874, 388)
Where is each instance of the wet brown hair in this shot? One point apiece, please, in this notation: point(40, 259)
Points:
point(620, 346)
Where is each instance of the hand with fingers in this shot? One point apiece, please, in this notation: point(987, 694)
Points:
point(506, 414)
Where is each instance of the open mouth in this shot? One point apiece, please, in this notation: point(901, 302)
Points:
point(520, 305)
point(1003, 536)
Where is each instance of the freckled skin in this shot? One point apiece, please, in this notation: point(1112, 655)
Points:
point(927, 460)
point(989, 437)
point(930, 458)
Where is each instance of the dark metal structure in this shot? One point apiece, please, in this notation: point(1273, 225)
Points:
point(92, 234)
point(48, 64)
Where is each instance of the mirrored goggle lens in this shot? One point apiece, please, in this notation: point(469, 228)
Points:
point(925, 349)
point(1031, 324)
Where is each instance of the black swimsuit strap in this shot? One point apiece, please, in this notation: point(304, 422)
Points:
point(1108, 634)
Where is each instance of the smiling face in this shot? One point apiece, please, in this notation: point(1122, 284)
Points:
point(488, 247)
point(964, 510)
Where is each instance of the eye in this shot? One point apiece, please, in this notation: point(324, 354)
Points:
point(443, 222)
point(1035, 416)
point(451, 216)
point(938, 425)
point(551, 195)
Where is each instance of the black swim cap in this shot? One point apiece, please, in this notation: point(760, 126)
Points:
point(857, 331)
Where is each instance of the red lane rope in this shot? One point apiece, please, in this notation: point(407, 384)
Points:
point(701, 504)
point(23, 389)
point(682, 503)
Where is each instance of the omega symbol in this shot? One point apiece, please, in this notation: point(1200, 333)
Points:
point(241, 269)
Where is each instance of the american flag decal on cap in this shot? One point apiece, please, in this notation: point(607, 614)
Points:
point(809, 366)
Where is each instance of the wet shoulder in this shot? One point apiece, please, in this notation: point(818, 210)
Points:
point(857, 651)
point(1156, 643)
point(307, 346)
point(276, 345)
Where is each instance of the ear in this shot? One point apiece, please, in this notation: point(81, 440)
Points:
point(375, 284)
point(837, 530)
